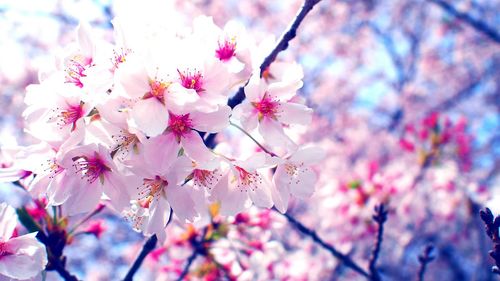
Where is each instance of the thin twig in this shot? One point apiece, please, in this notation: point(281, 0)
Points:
point(346, 260)
point(424, 259)
point(99, 208)
point(478, 25)
point(198, 249)
point(492, 230)
point(190, 261)
point(380, 217)
point(60, 268)
point(146, 249)
point(252, 138)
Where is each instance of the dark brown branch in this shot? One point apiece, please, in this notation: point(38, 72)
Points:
point(146, 249)
point(346, 260)
point(478, 25)
point(189, 261)
point(380, 217)
point(198, 249)
point(424, 259)
point(288, 35)
point(492, 230)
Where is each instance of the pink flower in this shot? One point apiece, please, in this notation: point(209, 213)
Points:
point(21, 257)
point(269, 107)
point(56, 112)
point(182, 132)
point(96, 228)
point(80, 57)
point(294, 176)
point(243, 181)
point(158, 188)
point(92, 172)
point(230, 44)
point(154, 96)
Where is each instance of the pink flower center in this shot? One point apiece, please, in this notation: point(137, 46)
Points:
point(125, 141)
point(226, 50)
point(294, 171)
point(52, 168)
point(119, 57)
point(91, 168)
point(247, 180)
point(192, 80)
point(179, 125)
point(68, 115)
point(76, 68)
point(205, 178)
point(151, 189)
point(157, 91)
point(266, 107)
point(3, 250)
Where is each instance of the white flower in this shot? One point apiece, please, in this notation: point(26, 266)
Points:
point(21, 257)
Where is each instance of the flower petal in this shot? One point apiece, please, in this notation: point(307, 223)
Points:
point(182, 203)
point(28, 259)
point(195, 148)
point(8, 221)
point(294, 113)
point(211, 122)
point(151, 116)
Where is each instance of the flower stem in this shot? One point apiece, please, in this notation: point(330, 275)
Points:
point(252, 138)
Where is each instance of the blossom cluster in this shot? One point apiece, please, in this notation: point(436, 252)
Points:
point(128, 123)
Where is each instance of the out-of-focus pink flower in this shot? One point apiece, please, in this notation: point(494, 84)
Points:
point(21, 257)
point(294, 176)
point(96, 228)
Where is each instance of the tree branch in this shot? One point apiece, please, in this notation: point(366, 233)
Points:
point(190, 261)
point(478, 25)
point(198, 249)
point(146, 249)
point(424, 259)
point(346, 260)
point(492, 230)
point(282, 45)
point(380, 217)
point(288, 35)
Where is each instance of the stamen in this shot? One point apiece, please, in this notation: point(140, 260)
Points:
point(90, 168)
point(247, 180)
point(267, 107)
point(68, 115)
point(226, 50)
point(151, 189)
point(192, 80)
point(76, 68)
point(179, 125)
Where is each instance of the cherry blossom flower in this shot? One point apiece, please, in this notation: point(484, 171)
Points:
point(55, 113)
point(21, 257)
point(243, 180)
point(182, 132)
point(294, 176)
point(158, 189)
point(154, 96)
point(92, 172)
point(268, 107)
